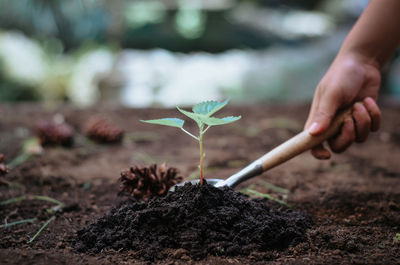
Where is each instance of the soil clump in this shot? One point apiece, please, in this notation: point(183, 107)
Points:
point(201, 219)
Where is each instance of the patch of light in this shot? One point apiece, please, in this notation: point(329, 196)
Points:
point(283, 23)
point(190, 20)
point(23, 59)
point(140, 13)
point(144, 73)
point(90, 67)
point(305, 23)
point(160, 77)
point(173, 79)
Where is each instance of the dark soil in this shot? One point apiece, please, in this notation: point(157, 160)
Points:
point(354, 198)
point(200, 219)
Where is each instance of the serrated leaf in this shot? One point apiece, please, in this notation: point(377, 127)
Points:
point(173, 122)
point(208, 108)
point(194, 116)
point(212, 121)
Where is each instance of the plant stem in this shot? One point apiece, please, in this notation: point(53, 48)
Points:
point(197, 138)
point(264, 195)
point(48, 199)
point(274, 187)
point(42, 228)
point(29, 197)
point(208, 127)
point(18, 222)
point(13, 200)
point(201, 157)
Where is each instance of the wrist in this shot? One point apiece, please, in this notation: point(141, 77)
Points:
point(358, 57)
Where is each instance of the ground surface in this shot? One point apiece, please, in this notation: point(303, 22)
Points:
point(354, 198)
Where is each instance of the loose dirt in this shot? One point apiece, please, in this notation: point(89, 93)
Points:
point(353, 199)
point(200, 219)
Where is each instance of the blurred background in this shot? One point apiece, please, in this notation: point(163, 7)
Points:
point(142, 53)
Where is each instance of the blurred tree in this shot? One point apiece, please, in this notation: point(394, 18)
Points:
point(73, 21)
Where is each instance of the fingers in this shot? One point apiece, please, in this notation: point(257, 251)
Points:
point(320, 152)
point(321, 116)
point(362, 122)
point(346, 137)
point(366, 118)
point(374, 113)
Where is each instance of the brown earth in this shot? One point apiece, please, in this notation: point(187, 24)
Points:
point(354, 198)
point(199, 219)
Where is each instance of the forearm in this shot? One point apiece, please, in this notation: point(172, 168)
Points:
point(376, 34)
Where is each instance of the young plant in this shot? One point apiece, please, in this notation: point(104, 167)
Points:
point(202, 115)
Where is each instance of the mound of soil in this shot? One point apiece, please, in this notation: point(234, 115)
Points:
point(201, 219)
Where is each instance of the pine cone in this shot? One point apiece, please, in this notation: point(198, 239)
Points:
point(147, 182)
point(101, 130)
point(3, 167)
point(51, 133)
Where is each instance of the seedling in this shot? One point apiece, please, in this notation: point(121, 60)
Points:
point(202, 115)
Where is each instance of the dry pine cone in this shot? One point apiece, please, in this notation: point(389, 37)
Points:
point(103, 131)
point(3, 167)
point(51, 133)
point(147, 182)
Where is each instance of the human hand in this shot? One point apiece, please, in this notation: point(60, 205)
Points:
point(350, 81)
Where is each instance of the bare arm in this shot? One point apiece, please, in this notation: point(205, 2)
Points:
point(355, 76)
point(376, 34)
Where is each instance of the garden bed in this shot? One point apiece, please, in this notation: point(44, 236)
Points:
point(353, 199)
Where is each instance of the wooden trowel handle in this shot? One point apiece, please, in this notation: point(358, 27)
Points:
point(302, 142)
point(289, 149)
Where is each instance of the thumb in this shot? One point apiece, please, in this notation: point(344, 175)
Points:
point(322, 117)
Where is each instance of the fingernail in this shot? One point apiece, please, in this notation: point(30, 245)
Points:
point(314, 128)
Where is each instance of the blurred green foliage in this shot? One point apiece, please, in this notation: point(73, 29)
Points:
point(173, 25)
point(77, 48)
point(13, 92)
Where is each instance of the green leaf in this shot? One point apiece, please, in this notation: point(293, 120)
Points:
point(173, 122)
point(209, 107)
point(211, 121)
point(194, 116)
